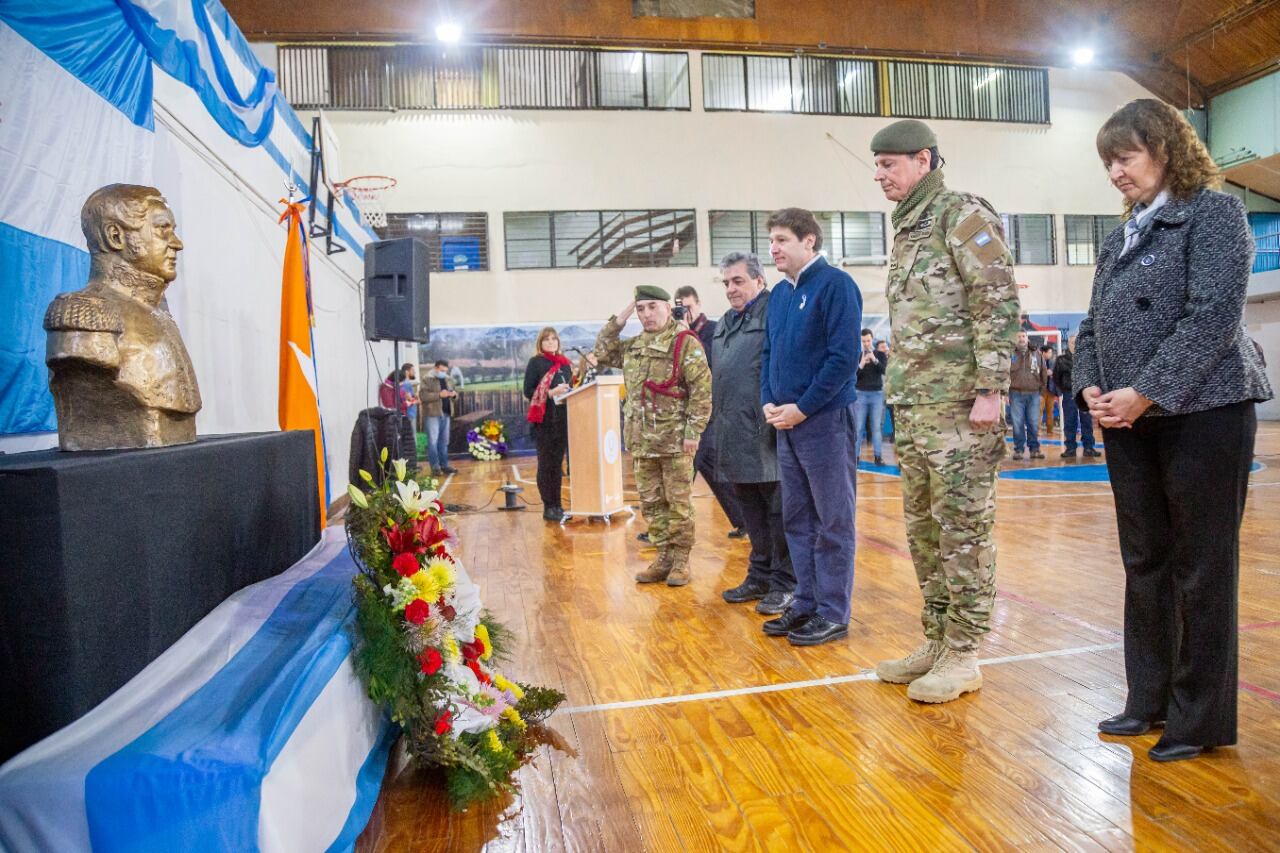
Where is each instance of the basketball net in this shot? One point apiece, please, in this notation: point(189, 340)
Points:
point(369, 194)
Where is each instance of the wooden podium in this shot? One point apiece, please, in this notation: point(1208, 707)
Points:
point(595, 450)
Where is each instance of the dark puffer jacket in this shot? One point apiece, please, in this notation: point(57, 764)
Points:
point(1166, 319)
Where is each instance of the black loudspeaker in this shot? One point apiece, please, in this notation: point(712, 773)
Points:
point(397, 291)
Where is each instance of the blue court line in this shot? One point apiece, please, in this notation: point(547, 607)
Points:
point(1089, 473)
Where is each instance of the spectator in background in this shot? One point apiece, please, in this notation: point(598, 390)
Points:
point(455, 373)
point(752, 467)
point(547, 378)
point(1072, 415)
point(868, 408)
point(1165, 367)
point(688, 311)
point(1028, 378)
point(437, 396)
point(883, 347)
point(409, 392)
point(1049, 413)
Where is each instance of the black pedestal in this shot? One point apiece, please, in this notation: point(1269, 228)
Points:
point(107, 558)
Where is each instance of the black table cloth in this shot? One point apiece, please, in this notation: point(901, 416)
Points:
point(107, 558)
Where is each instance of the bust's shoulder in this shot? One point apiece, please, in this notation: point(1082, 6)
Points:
point(82, 311)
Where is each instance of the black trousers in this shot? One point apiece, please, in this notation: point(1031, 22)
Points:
point(551, 440)
point(770, 562)
point(1180, 484)
point(704, 462)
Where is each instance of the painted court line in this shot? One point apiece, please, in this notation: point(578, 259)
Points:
point(864, 675)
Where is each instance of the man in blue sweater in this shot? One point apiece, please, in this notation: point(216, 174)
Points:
point(807, 376)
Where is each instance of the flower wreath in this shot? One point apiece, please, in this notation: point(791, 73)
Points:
point(488, 442)
point(427, 651)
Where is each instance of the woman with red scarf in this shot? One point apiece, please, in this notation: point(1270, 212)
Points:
point(548, 376)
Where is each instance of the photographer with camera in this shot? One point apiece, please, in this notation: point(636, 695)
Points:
point(688, 312)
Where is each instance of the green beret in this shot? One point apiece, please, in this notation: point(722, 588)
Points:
point(903, 137)
point(649, 291)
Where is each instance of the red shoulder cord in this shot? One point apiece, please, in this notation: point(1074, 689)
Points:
point(668, 388)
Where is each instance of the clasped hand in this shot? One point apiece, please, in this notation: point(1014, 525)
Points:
point(1117, 409)
point(783, 417)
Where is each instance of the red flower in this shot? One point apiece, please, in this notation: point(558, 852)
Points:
point(430, 531)
point(444, 722)
point(406, 564)
point(417, 612)
point(447, 611)
point(430, 662)
point(402, 540)
point(481, 675)
point(471, 651)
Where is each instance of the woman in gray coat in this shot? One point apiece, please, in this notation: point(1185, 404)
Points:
point(1163, 364)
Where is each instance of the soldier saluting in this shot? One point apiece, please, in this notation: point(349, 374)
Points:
point(953, 307)
point(668, 384)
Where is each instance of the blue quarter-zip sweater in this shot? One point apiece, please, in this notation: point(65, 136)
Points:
point(811, 346)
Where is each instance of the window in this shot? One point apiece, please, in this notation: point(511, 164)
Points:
point(600, 238)
point(974, 92)
point(455, 241)
point(1030, 238)
point(428, 77)
point(853, 237)
point(1266, 238)
point(800, 84)
point(1085, 235)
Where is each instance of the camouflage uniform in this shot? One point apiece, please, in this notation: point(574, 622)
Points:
point(953, 307)
point(657, 425)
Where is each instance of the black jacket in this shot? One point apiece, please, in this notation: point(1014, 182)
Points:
point(533, 373)
point(871, 375)
point(375, 429)
point(1062, 372)
point(747, 445)
point(1166, 319)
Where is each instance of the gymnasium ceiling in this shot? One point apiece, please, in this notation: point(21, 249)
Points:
point(1186, 51)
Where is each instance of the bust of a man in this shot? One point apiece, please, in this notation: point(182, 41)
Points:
point(119, 372)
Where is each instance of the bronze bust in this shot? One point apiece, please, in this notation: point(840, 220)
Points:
point(118, 369)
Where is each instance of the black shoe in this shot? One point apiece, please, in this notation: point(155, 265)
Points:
point(552, 513)
point(1169, 750)
point(786, 623)
point(745, 591)
point(817, 631)
point(738, 533)
point(643, 537)
point(1125, 726)
point(1069, 454)
point(1091, 453)
point(879, 461)
point(449, 469)
point(1036, 454)
point(775, 603)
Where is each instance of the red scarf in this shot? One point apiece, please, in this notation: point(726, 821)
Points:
point(538, 405)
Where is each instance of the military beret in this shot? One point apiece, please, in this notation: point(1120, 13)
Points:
point(649, 291)
point(903, 137)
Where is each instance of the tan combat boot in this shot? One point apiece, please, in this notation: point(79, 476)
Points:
point(680, 574)
point(658, 570)
point(908, 669)
point(953, 674)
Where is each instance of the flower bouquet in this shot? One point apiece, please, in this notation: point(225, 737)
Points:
point(488, 442)
point(427, 651)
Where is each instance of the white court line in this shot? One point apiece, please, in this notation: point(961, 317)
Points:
point(864, 675)
point(447, 481)
point(515, 472)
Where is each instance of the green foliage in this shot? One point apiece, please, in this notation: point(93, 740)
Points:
point(538, 702)
point(501, 637)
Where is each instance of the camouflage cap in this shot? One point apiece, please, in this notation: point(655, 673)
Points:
point(903, 137)
point(649, 291)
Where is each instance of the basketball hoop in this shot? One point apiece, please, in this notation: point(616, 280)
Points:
point(368, 191)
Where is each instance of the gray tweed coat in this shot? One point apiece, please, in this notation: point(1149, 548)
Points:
point(1166, 319)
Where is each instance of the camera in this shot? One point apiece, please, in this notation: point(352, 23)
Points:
point(679, 312)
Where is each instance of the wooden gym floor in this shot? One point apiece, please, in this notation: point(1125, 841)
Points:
point(687, 729)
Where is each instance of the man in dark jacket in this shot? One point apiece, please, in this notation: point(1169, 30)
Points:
point(1071, 413)
point(704, 462)
point(738, 423)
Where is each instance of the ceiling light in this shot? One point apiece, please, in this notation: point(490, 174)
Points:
point(1082, 56)
point(449, 33)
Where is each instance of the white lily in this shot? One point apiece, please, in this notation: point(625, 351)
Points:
point(401, 468)
point(357, 496)
point(412, 498)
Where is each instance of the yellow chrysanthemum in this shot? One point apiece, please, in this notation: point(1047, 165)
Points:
point(513, 716)
point(441, 573)
point(502, 683)
point(482, 634)
point(426, 586)
point(451, 650)
point(495, 743)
